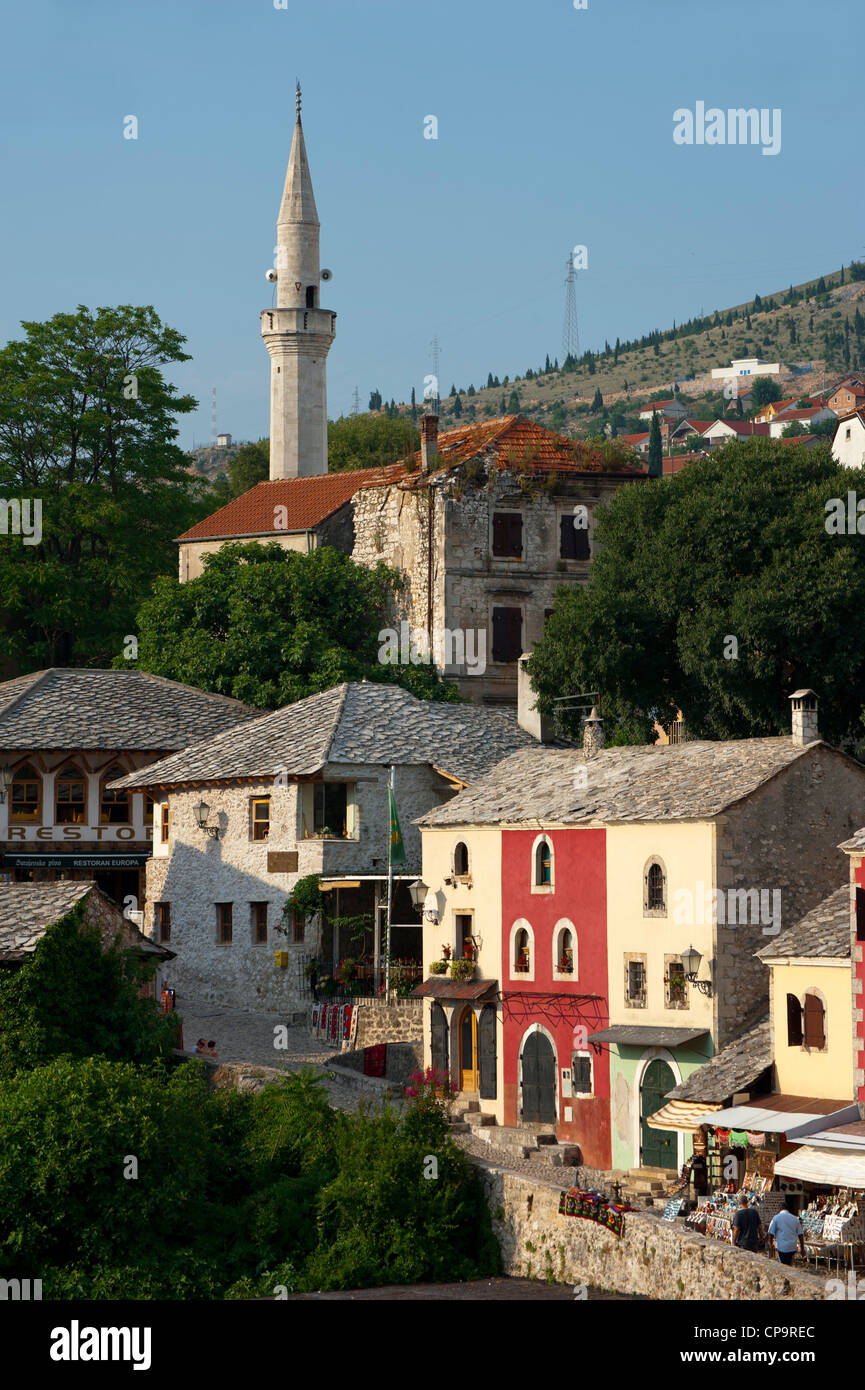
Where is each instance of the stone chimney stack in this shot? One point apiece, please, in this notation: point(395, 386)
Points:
point(593, 733)
point(528, 716)
point(804, 717)
point(429, 439)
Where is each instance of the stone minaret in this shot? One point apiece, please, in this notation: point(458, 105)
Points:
point(297, 333)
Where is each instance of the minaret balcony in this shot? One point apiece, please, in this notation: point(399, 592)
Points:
point(275, 322)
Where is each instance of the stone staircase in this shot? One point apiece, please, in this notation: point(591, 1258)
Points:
point(536, 1141)
point(648, 1182)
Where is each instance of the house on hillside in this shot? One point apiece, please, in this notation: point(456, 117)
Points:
point(723, 430)
point(303, 791)
point(848, 441)
point(674, 865)
point(848, 395)
point(666, 410)
point(65, 735)
point(807, 418)
point(745, 366)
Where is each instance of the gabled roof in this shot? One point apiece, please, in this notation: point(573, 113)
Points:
point(735, 1068)
point(307, 501)
point(27, 910)
point(822, 932)
point(514, 441)
point(362, 722)
point(648, 782)
point(69, 709)
point(859, 414)
point(743, 426)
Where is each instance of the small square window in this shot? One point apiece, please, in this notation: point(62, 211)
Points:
point(224, 923)
point(581, 1074)
point(507, 535)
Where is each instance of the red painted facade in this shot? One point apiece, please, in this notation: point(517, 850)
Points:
point(558, 1005)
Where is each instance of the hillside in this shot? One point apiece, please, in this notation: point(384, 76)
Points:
point(815, 330)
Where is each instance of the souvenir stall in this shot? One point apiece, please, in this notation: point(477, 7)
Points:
point(739, 1163)
point(832, 1210)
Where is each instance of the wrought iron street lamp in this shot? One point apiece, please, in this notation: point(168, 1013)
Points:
point(201, 811)
point(690, 965)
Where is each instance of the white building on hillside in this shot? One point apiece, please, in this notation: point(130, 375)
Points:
point(848, 444)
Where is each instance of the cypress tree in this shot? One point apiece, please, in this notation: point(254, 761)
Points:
point(655, 451)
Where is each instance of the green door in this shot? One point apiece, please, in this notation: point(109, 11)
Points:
point(658, 1147)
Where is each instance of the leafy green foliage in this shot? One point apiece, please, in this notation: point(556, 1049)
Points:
point(764, 390)
point(369, 441)
point(235, 1194)
point(269, 626)
point(73, 997)
point(87, 426)
point(736, 544)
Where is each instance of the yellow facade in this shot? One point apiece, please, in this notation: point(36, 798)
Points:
point(480, 894)
point(191, 557)
point(826, 1073)
point(686, 853)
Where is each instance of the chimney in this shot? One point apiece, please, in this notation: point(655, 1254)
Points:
point(804, 717)
point(429, 438)
point(593, 733)
point(528, 716)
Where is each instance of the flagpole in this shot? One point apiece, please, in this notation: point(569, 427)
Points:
point(389, 891)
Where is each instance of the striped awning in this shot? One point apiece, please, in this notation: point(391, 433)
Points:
point(682, 1114)
point(831, 1167)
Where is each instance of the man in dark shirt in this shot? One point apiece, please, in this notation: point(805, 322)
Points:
point(746, 1226)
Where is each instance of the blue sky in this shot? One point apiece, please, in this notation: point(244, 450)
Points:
point(554, 129)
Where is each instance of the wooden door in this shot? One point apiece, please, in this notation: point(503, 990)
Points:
point(658, 1147)
point(468, 1050)
point(487, 1052)
point(439, 1038)
point(539, 1080)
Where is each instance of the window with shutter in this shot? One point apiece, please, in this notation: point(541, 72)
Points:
point(507, 634)
point(794, 1021)
point(815, 1015)
point(507, 535)
point(574, 540)
point(581, 1074)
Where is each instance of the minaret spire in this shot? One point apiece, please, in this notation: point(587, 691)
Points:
point(298, 333)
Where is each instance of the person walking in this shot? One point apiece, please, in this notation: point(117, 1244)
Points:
point(745, 1232)
point(785, 1233)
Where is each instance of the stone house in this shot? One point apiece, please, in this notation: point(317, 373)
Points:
point(705, 849)
point(484, 523)
point(64, 735)
point(303, 791)
point(27, 910)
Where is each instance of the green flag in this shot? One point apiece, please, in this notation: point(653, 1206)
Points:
point(397, 848)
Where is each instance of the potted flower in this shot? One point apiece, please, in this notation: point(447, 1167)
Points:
point(566, 964)
point(446, 953)
point(462, 969)
point(522, 964)
point(438, 967)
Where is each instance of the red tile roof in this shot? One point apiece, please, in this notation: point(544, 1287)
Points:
point(802, 414)
point(308, 501)
point(510, 439)
point(743, 426)
point(635, 438)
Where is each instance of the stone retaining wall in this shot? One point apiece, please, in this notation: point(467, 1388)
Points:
point(399, 1021)
point(402, 1059)
point(652, 1257)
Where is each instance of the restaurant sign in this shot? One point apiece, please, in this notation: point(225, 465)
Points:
point(75, 861)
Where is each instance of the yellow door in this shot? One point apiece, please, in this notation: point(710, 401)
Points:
point(468, 1050)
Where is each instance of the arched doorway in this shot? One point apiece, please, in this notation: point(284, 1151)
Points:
point(468, 1050)
point(539, 1079)
point(658, 1147)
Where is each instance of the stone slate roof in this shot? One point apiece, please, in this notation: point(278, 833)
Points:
point(824, 931)
point(68, 708)
point(856, 843)
point(27, 910)
point(735, 1068)
point(679, 781)
point(358, 722)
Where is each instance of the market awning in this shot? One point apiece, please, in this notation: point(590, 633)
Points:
point(834, 1167)
point(777, 1114)
point(632, 1035)
point(456, 989)
point(682, 1114)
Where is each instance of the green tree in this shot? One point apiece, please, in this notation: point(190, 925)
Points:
point(250, 465)
point(458, 407)
point(88, 430)
point(269, 626)
point(763, 391)
point(597, 400)
point(514, 404)
point(655, 448)
point(73, 997)
point(369, 441)
point(375, 400)
point(736, 543)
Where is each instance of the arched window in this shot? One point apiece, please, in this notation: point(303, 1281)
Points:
point(461, 859)
point(522, 952)
point(794, 1021)
point(815, 1021)
point(26, 803)
point(113, 805)
point(543, 864)
point(564, 962)
point(654, 889)
point(70, 796)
